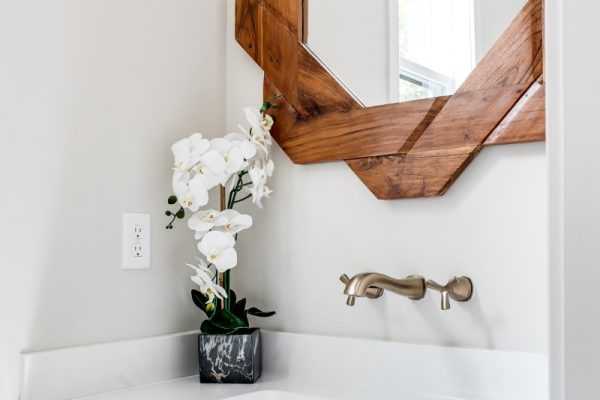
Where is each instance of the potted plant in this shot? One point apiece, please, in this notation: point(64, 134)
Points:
point(239, 164)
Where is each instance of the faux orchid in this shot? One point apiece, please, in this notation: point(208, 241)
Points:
point(204, 278)
point(202, 222)
point(217, 247)
point(239, 162)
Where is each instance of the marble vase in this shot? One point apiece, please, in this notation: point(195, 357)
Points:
point(233, 358)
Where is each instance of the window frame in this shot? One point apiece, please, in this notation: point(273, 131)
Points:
point(397, 63)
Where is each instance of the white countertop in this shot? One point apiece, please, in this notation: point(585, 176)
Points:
point(191, 389)
point(296, 367)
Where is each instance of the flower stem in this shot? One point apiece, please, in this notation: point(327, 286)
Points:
point(221, 278)
point(225, 278)
point(228, 202)
point(227, 283)
point(243, 198)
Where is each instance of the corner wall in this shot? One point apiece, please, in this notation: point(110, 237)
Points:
point(93, 95)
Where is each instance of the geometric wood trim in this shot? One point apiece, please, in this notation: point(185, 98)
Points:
point(403, 150)
point(525, 122)
point(329, 137)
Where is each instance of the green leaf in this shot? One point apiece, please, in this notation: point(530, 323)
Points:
point(226, 320)
point(211, 329)
point(200, 301)
point(172, 199)
point(239, 310)
point(258, 313)
point(232, 297)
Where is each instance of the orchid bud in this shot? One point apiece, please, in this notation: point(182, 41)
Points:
point(266, 105)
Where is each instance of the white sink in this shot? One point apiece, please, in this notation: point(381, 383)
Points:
point(274, 395)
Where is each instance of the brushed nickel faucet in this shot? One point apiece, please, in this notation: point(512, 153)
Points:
point(458, 288)
point(372, 285)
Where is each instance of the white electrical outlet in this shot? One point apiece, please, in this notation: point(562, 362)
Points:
point(136, 241)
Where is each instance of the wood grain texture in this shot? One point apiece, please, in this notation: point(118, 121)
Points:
point(248, 27)
point(408, 176)
point(512, 65)
point(414, 149)
point(432, 168)
point(280, 58)
point(516, 57)
point(304, 81)
point(469, 117)
point(288, 13)
point(319, 91)
point(285, 115)
point(526, 122)
point(341, 135)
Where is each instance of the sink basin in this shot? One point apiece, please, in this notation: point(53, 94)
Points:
point(274, 395)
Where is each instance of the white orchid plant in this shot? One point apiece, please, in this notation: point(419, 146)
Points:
point(238, 163)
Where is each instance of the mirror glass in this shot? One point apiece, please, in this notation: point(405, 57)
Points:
point(387, 51)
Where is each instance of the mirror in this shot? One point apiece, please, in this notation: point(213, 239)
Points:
point(387, 51)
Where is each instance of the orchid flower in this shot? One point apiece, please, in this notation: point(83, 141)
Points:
point(260, 128)
point(258, 121)
point(262, 137)
point(232, 154)
point(218, 249)
point(233, 222)
point(243, 142)
point(203, 221)
point(211, 167)
point(192, 194)
point(261, 143)
point(204, 279)
point(187, 153)
point(259, 192)
point(267, 122)
point(258, 175)
point(270, 168)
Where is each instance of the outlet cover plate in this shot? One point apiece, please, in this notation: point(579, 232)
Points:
point(137, 241)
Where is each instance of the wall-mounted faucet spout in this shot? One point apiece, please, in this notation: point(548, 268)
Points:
point(373, 284)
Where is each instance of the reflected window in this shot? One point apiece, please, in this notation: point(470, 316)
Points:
point(435, 48)
point(414, 87)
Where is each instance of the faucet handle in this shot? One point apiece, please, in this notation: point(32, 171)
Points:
point(459, 289)
point(372, 292)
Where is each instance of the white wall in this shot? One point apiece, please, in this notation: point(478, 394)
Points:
point(573, 81)
point(356, 51)
point(322, 222)
point(492, 19)
point(93, 94)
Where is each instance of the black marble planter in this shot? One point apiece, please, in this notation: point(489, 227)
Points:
point(230, 358)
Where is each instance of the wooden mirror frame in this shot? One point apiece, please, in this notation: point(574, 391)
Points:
point(403, 150)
